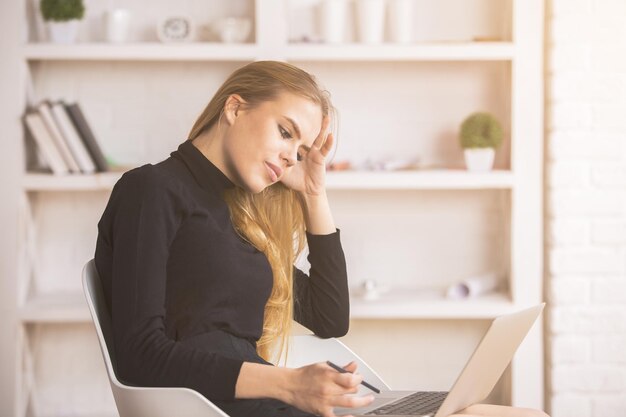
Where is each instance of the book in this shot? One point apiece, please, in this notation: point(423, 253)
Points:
point(80, 122)
point(41, 135)
point(34, 159)
point(72, 138)
point(46, 114)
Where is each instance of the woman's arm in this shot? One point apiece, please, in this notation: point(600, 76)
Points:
point(317, 215)
point(315, 388)
point(321, 300)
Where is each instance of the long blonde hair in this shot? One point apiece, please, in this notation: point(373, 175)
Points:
point(272, 220)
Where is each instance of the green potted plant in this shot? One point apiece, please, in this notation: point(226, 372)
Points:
point(62, 18)
point(480, 135)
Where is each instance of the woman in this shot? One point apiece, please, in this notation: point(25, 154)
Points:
point(196, 253)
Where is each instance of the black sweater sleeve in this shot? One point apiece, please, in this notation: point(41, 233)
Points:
point(321, 300)
point(138, 226)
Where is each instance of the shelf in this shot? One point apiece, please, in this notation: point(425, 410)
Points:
point(147, 51)
point(336, 180)
point(198, 51)
point(56, 308)
point(423, 305)
point(470, 51)
point(71, 182)
point(72, 307)
point(419, 180)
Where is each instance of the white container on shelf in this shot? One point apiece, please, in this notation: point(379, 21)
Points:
point(400, 19)
point(332, 20)
point(370, 20)
point(479, 159)
point(62, 32)
point(232, 29)
point(116, 25)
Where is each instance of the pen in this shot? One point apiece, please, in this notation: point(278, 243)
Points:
point(343, 371)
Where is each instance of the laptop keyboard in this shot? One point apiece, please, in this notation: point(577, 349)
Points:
point(416, 404)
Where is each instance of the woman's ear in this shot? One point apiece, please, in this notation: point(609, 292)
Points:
point(232, 107)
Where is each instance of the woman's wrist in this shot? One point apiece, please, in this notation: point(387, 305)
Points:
point(286, 383)
point(317, 215)
point(265, 381)
point(314, 199)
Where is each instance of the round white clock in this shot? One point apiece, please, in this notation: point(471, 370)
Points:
point(175, 29)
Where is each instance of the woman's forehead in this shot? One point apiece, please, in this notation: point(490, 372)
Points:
point(305, 114)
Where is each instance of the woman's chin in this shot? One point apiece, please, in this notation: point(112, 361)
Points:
point(257, 186)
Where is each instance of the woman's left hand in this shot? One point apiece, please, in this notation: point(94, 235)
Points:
point(308, 175)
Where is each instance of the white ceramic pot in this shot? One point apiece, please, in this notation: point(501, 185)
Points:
point(370, 20)
point(332, 16)
point(63, 32)
point(233, 29)
point(116, 25)
point(479, 159)
point(400, 19)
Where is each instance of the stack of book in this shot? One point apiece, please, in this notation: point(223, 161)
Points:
point(63, 138)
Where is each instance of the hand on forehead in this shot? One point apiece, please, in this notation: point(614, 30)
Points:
point(302, 115)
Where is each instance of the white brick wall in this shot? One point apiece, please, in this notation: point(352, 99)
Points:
point(586, 213)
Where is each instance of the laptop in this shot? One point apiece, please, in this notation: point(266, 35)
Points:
point(479, 376)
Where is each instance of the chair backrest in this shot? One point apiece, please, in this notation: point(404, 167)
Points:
point(307, 349)
point(134, 401)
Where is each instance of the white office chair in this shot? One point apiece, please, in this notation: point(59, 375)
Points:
point(135, 401)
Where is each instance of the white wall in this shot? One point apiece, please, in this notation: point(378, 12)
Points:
point(10, 163)
point(586, 210)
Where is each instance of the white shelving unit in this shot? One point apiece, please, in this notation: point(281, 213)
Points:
point(141, 52)
point(346, 180)
point(56, 308)
point(506, 202)
point(417, 305)
point(469, 51)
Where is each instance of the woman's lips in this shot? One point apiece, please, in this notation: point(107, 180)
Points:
point(274, 171)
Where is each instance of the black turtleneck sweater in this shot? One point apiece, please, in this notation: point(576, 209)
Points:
point(173, 267)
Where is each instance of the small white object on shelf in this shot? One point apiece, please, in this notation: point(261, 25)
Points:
point(177, 28)
point(63, 32)
point(400, 19)
point(372, 290)
point(333, 16)
point(479, 159)
point(232, 29)
point(473, 286)
point(370, 19)
point(116, 25)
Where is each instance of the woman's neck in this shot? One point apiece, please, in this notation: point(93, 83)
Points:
point(209, 143)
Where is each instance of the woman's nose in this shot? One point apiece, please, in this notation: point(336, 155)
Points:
point(290, 156)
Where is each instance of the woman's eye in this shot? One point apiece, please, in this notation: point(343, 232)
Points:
point(299, 157)
point(284, 133)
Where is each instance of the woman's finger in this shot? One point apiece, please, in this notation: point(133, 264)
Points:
point(348, 380)
point(328, 145)
point(352, 401)
point(321, 137)
point(350, 367)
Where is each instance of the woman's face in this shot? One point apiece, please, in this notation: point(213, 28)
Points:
point(262, 143)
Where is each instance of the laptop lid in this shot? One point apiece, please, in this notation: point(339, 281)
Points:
point(489, 360)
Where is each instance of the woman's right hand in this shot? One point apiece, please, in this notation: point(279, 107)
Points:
point(318, 388)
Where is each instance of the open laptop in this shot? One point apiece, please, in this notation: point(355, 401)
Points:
point(479, 376)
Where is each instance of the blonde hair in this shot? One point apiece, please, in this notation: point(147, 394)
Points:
point(272, 220)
